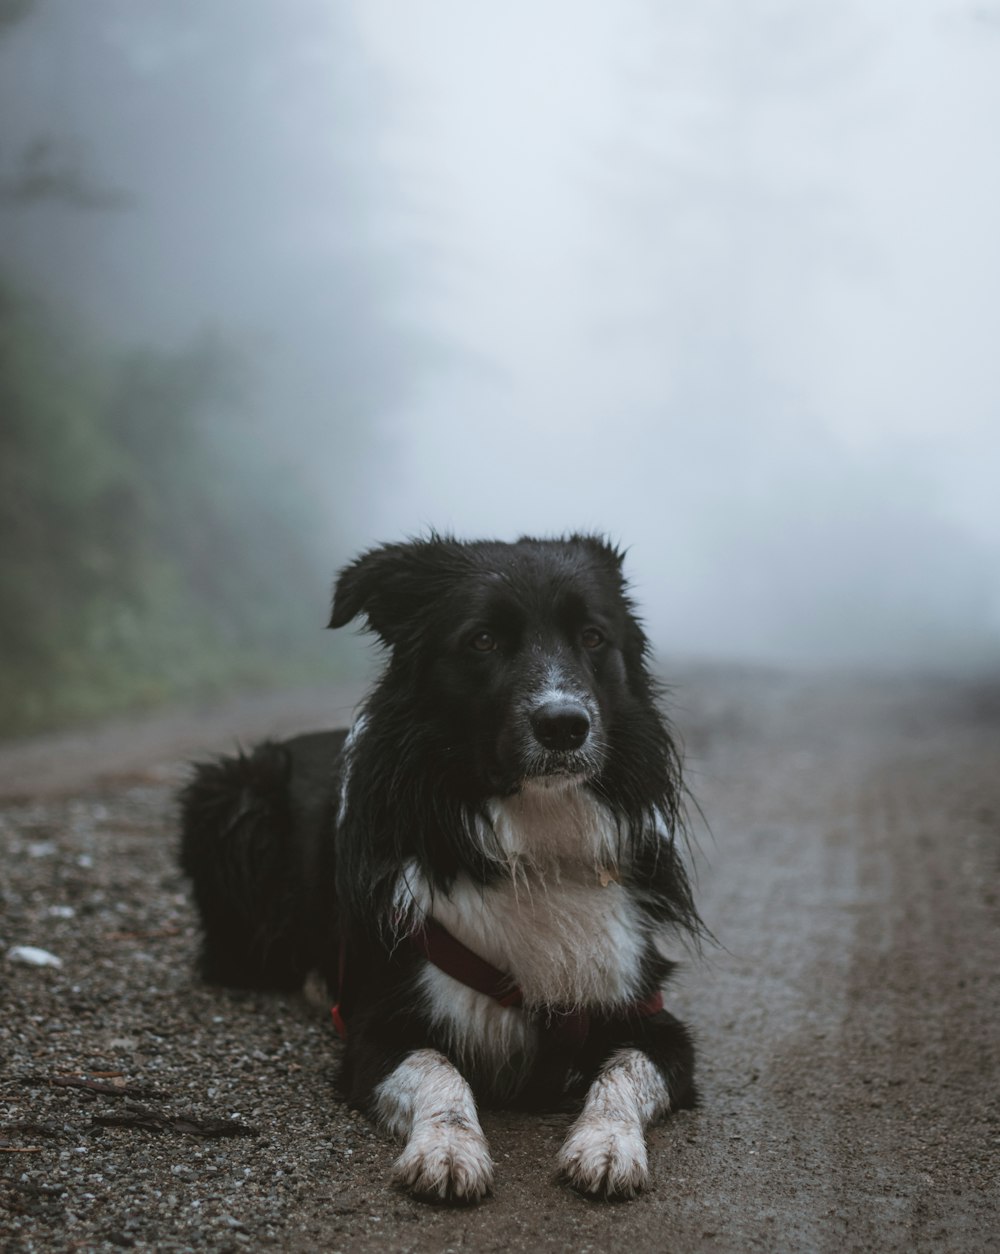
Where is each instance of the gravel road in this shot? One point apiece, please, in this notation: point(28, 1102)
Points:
point(848, 1019)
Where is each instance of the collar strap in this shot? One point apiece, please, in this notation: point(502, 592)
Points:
point(448, 954)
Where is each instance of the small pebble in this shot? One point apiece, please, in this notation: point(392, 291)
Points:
point(31, 956)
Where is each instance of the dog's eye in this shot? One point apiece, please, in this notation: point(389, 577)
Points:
point(591, 638)
point(483, 642)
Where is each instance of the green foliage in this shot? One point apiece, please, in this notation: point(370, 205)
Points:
point(148, 549)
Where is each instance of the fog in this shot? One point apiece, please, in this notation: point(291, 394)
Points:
point(719, 279)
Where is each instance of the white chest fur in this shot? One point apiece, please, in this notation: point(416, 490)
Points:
point(564, 939)
point(565, 931)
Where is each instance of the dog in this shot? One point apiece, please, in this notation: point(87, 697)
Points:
point(486, 869)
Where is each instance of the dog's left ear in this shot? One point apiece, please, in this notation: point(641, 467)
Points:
point(608, 555)
point(389, 585)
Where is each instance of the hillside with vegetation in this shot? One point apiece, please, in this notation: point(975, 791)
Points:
point(148, 547)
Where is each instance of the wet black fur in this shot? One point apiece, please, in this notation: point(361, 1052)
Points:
point(281, 887)
point(257, 843)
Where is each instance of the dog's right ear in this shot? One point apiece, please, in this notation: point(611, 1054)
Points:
point(361, 588)
point(390, 585)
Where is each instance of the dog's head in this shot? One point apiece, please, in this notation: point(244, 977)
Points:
point(516, 664)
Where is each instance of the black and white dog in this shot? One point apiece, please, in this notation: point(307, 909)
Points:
point(485, 869)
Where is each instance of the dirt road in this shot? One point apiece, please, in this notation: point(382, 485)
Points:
point(849, 1021)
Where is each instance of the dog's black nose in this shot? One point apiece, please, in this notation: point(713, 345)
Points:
point(560, 725)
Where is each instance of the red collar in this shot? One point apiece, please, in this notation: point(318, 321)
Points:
point(448, 954)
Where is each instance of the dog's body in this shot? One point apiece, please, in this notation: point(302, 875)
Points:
point(485, 871)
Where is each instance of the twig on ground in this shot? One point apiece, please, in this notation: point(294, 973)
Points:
point(101, 1087)
point(143, 1119)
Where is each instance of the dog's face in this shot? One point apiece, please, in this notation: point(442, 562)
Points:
point(517, 659)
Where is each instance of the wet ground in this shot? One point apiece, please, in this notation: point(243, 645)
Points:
point(848, 1021)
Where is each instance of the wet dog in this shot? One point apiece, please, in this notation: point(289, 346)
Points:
point(485, 869)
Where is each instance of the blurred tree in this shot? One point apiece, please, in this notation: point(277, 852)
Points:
point(42, 171)
point(14, 11)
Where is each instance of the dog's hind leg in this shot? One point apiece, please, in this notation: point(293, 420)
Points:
point(426, 1101)
point(605, 1152)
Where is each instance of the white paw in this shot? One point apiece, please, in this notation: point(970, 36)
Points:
point(446, 1159)
point(604, 1157)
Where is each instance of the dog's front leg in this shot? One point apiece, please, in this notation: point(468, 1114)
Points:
point(605, 1152)
point(426, 1101)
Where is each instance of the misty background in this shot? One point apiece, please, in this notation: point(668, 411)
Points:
point(721, 279)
